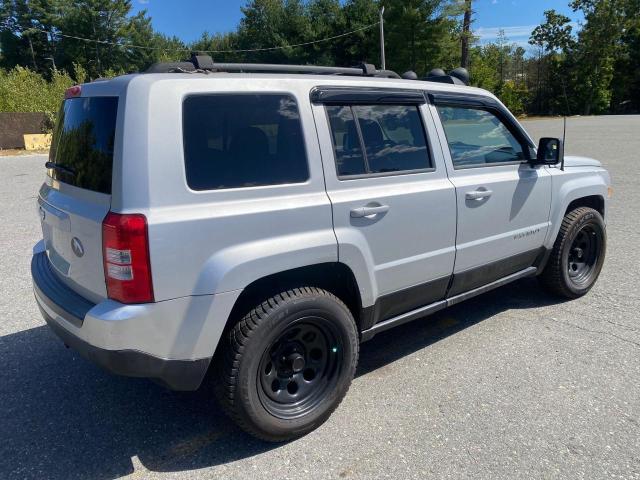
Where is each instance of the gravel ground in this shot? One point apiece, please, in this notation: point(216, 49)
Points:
point(513, 384)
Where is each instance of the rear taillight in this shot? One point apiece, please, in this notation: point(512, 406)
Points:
point(74, 91)
point(125, 250)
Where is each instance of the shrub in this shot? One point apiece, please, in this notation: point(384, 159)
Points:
point(23, 90)
point(514, 96)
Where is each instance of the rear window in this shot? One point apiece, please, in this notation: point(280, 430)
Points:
point(233, 141)
point(82, 145)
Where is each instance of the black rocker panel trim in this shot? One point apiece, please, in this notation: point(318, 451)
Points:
point(479, 276)
point(441, 304)
point(429, 294)
point(405, 300)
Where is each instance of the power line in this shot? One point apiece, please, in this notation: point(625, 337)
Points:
point(246, 50)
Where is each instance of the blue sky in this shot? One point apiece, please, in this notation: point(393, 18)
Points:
point(187, 19)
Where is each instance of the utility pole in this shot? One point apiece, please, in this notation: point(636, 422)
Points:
point(382, 60)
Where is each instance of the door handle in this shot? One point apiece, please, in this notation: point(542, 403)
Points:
point(478, 194)
point(368, 211)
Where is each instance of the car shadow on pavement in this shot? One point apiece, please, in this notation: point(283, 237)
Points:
point(63, 418)
point(403, 340)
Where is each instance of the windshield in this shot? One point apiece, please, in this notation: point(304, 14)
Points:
point(82, 146)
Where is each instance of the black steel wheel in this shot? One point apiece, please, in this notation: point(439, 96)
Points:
point(578, 254)
point(287, 364)
point(583, 254)
point(300, 368)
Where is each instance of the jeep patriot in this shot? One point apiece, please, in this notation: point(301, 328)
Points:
point(252, 224)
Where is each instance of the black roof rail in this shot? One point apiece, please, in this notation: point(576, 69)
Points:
point(206, 64)
point(171, 67)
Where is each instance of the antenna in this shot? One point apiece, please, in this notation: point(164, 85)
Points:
point(564, 122)
point(382, 59)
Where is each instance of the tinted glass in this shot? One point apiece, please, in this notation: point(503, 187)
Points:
point(478, 137)
point(83, 143)
point(393, 136)
point(233, 141)
point(346, 142)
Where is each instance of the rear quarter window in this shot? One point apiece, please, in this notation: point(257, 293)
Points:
point(242, 140)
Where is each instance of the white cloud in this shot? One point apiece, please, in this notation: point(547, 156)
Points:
point(512, 33)
point(143, 2)
point(518, 34)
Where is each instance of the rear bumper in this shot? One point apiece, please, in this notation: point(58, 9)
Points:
point(118, 337)
point(174, 374)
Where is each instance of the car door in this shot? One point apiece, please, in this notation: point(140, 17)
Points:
point(503, 201)
point(393, 206)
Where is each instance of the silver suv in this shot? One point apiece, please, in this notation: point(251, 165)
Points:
point(258, 222)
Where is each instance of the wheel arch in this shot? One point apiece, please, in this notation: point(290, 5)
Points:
point(592, 201)
point(335, 277)
point(584, 191)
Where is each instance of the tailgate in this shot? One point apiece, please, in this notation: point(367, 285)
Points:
point(77, 193)
point(72, 233)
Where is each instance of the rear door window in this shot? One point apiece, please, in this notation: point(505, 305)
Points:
point(346, 141)
point(82, 144)
point(378, 139)
point(234, 141)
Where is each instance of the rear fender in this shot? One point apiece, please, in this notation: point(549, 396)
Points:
point(237, 266)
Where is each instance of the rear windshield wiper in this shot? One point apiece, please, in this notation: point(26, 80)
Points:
point(60, 168)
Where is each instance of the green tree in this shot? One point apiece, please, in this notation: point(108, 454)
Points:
point(597, 47)
point(109, 22)
point(555, 44)
point(422, 35)
point(625, 85)
point(273, 23)
point(362, 46)
point(554, 34)
point(25, 29)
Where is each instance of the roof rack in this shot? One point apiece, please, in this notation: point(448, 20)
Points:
point(457, 76)
point(204, 63)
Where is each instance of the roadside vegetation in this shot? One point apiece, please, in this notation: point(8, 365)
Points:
point(591, 68)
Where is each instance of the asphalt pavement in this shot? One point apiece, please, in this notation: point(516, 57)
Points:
point(510, 385)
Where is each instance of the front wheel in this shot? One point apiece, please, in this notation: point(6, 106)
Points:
point(288, 363)
point(578, 254)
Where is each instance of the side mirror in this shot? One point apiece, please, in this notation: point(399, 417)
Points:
point(550, 151)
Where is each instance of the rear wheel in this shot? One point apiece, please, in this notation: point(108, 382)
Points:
point(288, 363)
point(578, 254)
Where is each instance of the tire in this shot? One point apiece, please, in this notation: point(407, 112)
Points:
point(287, 364)
point(578, 254)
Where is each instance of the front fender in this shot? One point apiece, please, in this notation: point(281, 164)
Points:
point(571, 185)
